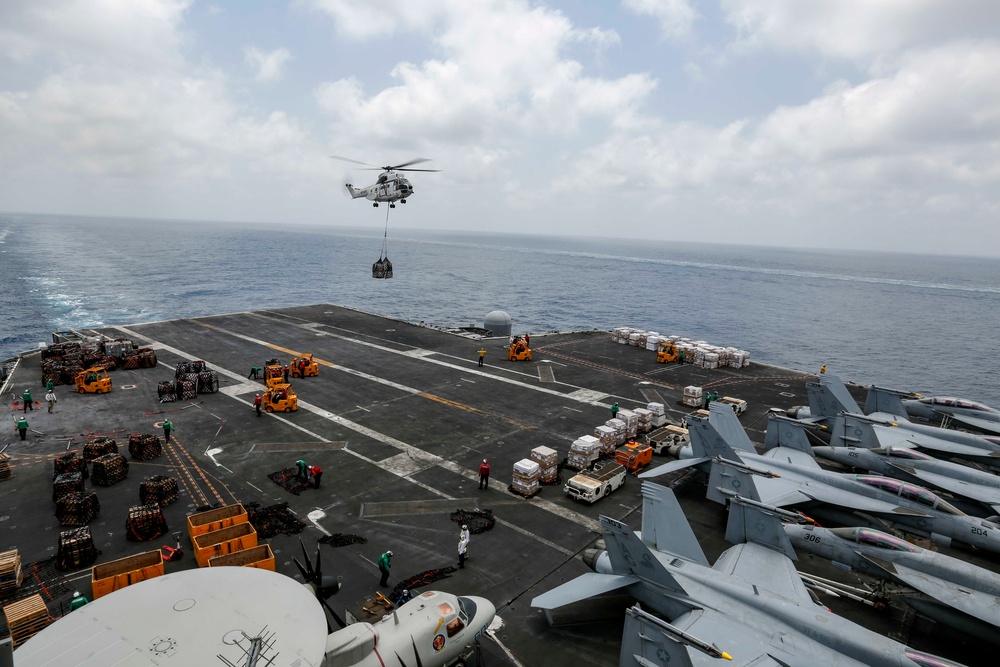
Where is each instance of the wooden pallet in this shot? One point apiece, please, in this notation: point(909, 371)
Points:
point(26, 618)
point(11, 575)
point(5, 470)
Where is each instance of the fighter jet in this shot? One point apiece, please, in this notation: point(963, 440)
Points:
point(833, 408)
point(750, 607)
point(961, 594)
point(788, 474)
point(944, 409)
point(912, 465)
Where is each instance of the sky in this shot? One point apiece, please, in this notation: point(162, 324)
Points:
point(856, 124)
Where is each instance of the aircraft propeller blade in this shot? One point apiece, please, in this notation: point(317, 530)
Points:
point(341, 622)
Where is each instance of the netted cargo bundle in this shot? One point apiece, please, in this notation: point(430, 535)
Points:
point(158, 490)
point(198, 365)
point(120, 347)
point(98, 448)
point(144, 446)
point(166, 391)
point(76, 549)
point(478, 521)
point(93, 357)
point(60, 350)
point(182, 369)
point(68, 373)
point(108, 470)
point(131, 362)
point(208, 382)
point(72, 462)
point(147, 357)
point(382, 268)
point(54, 377)
point(77, 509)
point(273, 520)
point(68, 482)
point(144, 523)
point(186, 389)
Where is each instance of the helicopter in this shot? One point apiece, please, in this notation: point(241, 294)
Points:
point(390, 186)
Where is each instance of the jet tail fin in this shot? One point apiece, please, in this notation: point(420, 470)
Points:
point(751, 521)
point(630, 556)
point(849, 431)
point(649, 641)
point(707, 442)
point(785, 432)
point(665, 526)
point(829, 397)
point(728, 425)
point(884, 400)
point(728, 479)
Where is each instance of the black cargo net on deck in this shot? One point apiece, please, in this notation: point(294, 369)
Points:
point(288, 479)
point(273, 520)
point(478, 521)
point(421, 580)
point(342, 539)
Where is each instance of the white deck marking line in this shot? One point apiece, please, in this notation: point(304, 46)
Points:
point(415, 452)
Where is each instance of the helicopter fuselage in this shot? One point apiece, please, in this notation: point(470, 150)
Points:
point(390, 187)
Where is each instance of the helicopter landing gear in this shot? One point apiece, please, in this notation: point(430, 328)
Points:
point(402, 201)
point(375, 204)
point(392, 206)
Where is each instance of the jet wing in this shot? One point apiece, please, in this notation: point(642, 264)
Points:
point(983, 494)
point(981, 605)
point(831, 494)
point(793, 456)
point(747, 645)
point(984, 425)
point(673, 466)
point(891, 436)
point(765, 569)
point(583, 587)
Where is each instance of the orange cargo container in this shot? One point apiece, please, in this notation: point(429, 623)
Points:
point(259, 556)
point(217, 519)
point(634, 456)
point(225, 541)
point(109, 577)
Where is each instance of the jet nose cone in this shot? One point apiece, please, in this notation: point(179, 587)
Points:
point(827, 452)
point(486, 611)
point(796, 534)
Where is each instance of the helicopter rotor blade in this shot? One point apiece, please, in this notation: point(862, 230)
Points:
point(347, 159)
point(416, 170)
point(416, 160)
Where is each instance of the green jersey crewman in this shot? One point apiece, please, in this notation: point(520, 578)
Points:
point(22, 427)
point(384, 563)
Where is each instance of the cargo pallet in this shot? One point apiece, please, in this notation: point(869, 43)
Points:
point(26, 618)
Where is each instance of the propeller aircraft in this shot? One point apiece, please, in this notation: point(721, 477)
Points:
point(390, 186)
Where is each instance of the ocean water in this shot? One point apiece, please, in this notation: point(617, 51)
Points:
point(913, 322)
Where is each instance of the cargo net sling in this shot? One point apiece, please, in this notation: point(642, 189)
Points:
point(383, 267)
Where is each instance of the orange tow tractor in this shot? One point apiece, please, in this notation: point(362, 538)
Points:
point(280, 398)
point(93, 381)
point(634, 456)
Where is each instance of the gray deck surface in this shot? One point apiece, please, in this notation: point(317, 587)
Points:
point(399, 419)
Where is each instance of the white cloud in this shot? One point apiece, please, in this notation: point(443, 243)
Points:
point(269, 64)
point(858, 30)
point(676, 17)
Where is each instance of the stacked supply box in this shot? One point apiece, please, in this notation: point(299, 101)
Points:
point(659, 414)
point(653, 341)
point(693, 396)
point(548, 462)
point(645, 419)
point(527, 474)
point(618, 426)
point(583, 452)
point(607, 436)
point(631, 423)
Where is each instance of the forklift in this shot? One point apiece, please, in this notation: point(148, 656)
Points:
point(311, 369)
point(519, 350)
point(667, 354)
point(280, 398)
point(94, 380)
point(274, 374)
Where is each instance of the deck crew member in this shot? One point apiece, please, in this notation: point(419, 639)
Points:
point(303, 470)
point(50, 398)
point(316, 473)
point(302, 367)
point(404, 598)
point(614, 410)
point(254, 373)
point(384, 563)
point(822, 369)
point(77, 601)
point(463, 546)
point(482, 353)
point(22, 427)
point(527, 340)
point(27, 400)
point(285, 372)
point(168, 428)
point(50, 385)
point(484, 475)
point(680, 358)
point(256, 403)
